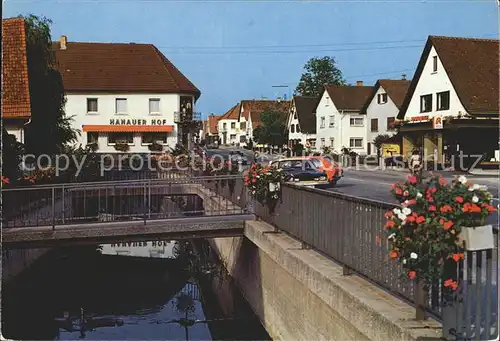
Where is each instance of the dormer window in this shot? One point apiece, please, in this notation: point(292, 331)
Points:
point(434, 64)
point(382, 98)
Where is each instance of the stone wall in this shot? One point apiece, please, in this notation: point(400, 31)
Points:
point(300, 295)
point(16, 261)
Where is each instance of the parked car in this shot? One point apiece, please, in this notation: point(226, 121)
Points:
point(302, 171)
point(237, 156)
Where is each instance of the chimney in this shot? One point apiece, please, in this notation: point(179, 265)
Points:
point(404, 76)
point(359, 83)
point(63, 40)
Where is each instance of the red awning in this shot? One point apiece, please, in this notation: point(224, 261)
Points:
point(128, 129)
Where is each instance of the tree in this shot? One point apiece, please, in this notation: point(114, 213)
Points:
point(273, 130)
point(11, 151)
point(379, 140)
point(50, 129)
point(317, 73)
point(298, 149)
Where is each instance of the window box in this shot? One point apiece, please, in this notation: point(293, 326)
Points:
point(155, 147)
point(122, 146)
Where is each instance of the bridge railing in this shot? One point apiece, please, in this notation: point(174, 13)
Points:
point(348, 230)
point(138, 199)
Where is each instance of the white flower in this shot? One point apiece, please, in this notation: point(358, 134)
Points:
point(391, 236)
point(476, 186)
point(475, 199)
point(406, 211)
point(396, 211)
point(413, 255)
point(253, 192)
point(404, 261)
point(462, 179)
point(405, 203)
point(419, 195)
point(401, 216)
point(483, 187)
point(405, 193)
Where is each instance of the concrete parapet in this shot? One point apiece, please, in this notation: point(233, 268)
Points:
point(299, 294)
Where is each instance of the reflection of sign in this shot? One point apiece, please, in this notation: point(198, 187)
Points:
point(419, 118)
point(138, 122)
point(389, 149)
point(155, 249)
point(437, 122)
point(141, 244)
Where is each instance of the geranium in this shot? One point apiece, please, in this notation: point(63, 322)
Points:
point(264, 183)
point(5, 180)
point(424, 233)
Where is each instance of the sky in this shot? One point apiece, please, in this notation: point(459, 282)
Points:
point(235, 50)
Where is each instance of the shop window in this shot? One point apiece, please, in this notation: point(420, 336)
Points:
point(92, 105)
point(148, 138)
point(443, 100)
point(92, 137)
point(374, 125)
point(154, 105)
point(426, 103)
point(120, 138)
point(121, 106)
point(356, 142)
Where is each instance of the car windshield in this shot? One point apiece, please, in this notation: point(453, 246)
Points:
point(316, 162)
point(297, 164)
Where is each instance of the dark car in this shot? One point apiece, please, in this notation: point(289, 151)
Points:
point(302, 172)
point(237, 156)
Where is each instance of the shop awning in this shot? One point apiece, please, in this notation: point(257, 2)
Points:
point(128, 129)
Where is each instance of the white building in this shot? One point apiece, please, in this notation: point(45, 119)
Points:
point(123, 95)
point(227, 126)
point(382, 108)
point(301, 123)
point(339, 122)
point(452, 103)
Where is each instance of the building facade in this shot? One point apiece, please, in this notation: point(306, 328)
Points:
point(301, 123)
point(382, 108)
point(227, 126)
point(339, 121)
point(141, 101)
point(452, 106)
point(16, 102)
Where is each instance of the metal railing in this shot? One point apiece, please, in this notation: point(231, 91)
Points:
point(143, 199)
point(348, 230)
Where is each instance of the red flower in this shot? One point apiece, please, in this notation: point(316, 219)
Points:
point(420, 219)
point(457, 256)
point(388, 214)
point(447, 224)
point(412, 202)
point(451, 283)
point(5, 180)
point(412, 179)
point(430, 199)
point(389, 224)
point(398, 191)
point(393, 254)
point(253, 180)
point(459, 200)
point(410, 219)
point(446, 209)
point(412, 274)
point(432, 208)
point(433, 190)
point(442, 181)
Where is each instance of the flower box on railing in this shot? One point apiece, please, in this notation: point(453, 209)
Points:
point(477, 238)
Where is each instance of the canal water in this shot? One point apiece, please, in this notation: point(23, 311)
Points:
point(81, 293)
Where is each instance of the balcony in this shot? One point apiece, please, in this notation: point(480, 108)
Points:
point(181, 117)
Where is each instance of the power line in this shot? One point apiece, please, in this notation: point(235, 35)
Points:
point(294, 51)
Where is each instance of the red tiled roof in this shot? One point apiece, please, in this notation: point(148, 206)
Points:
point(128, 129)
point(212, 124)
point(259, 106)
point(472, 66)
point(232, 114)
point(15, 85)
point(349, 97)
point(396, 89)
point(105, 67)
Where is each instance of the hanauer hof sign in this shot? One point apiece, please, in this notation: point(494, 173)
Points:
point(138, 122)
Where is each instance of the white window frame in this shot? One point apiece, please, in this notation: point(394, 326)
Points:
point(422, 102)
point(116, 106)
point(331, 121)
point(353, 145)
point(327, 101)
point(332, 142)
point(382, 98)
point(438, 100)
point(352, 121)
point(97, 105)
point(155, 100)
point(322, 122)
point(148, 143)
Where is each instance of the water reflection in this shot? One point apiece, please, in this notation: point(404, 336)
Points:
point(79, 293)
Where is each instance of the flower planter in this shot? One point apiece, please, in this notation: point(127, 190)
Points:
point(477, 238)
